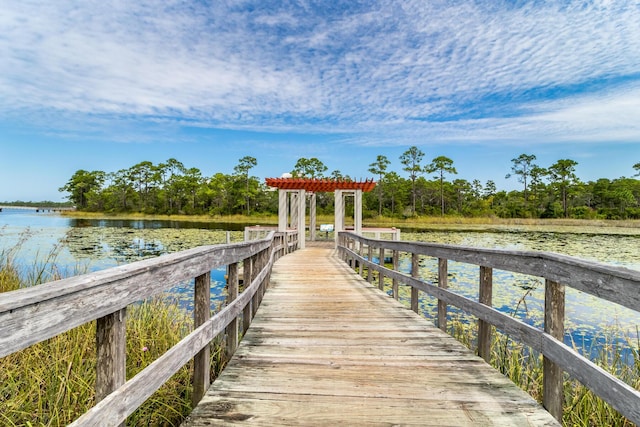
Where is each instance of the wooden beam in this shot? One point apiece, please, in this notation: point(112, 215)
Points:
point(201, 314)
point(484, 328)
point(443, 283)
point(415, 272)
point(552, 377)
point(111, 365)
point(232, 294)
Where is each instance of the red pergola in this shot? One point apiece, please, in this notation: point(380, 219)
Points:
point(323, 185)
point(292, 202)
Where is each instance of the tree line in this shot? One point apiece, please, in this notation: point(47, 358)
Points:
point(430, 188)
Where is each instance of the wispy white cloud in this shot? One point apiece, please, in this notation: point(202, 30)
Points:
point(388, 72)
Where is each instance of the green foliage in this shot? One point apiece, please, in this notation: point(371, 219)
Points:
point(173, 188)
point(82, 186)
point(442, 165)
point(309, 168)
point(52, 383)
point(411, 159)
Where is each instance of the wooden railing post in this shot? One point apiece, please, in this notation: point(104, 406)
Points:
point(201, 313)
point(348, 244)
point(354, 261)
point(266, 256)
point(247, 267)
point(381, 274)
point(394, 286)
point(415, 272)
point(232, 294)
point(484, 328)
point(444, 284)
point(255, 269)
point(369, 258)
point(111, 353)
point(552, 376)
point(360, 264)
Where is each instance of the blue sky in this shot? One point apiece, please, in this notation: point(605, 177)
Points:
point(105, 84)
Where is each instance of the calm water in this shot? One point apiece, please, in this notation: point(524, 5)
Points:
point(81, 245)
point(89, 245)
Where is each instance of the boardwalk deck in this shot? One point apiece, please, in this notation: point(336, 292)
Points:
point(327, 348)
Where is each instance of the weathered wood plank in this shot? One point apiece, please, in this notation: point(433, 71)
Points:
point(201, 314)
point(111, 363)
point(553, 378)
point(485, 297)
point(311, 357)
point(232, 294)
point(295, 409)
point(443, 282)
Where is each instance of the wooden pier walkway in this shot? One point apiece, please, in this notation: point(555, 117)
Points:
point(327, 348)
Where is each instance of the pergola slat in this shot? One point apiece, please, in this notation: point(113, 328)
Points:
point(319, 185)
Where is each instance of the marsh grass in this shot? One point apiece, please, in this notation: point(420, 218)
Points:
point(52, 383)
point(524, 367)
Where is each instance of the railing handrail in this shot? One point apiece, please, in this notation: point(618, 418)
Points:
point(32, 315)
point(594, 278)
point(616, 284)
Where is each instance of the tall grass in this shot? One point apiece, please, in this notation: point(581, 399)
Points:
point(524, 367)
point(52, 383)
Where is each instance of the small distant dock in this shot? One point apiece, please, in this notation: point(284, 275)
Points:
point(328, 348)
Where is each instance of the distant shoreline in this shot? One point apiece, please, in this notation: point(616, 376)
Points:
point(420, 223)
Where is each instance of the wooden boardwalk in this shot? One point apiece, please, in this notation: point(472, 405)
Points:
point(326, 348)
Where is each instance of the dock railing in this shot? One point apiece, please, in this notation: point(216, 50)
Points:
point(615, 284)
point(29, 316)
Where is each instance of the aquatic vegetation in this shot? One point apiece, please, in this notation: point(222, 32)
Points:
point(524, 367)
point(52, 382)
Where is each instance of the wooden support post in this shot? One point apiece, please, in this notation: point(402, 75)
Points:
point(265, 255)
point(552, 376)
point(111, 353)
point(264, 261)
point(370, 259)
point(354, 261)
point(357, 212)
point(415, 272)
point(232, 294)
point(444, 284)
point(484, 328)
point(202, 360)
point(283, 210)
point(301, 216)
point(338, 213)
point(381, 274)
point(255, 269)
point(394, 286)
point(312, 217)
point(246, 279)
point(360, 264)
